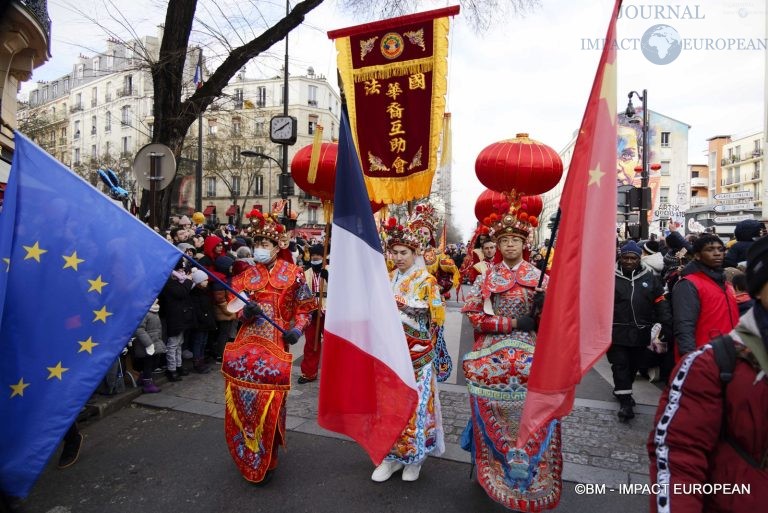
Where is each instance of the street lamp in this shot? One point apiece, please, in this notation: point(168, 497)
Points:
point(644, 190)
point(257, 154)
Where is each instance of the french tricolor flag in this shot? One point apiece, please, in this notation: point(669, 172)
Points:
point(367, 388)
point(198, 78)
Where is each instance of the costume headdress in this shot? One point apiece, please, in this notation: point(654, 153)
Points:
point(264, 225)
point(423, 215)
point(516, 222)
point(397, 234)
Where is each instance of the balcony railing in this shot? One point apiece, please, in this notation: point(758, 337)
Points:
point(697, 201)
point(107, 97)
point(126, 154)
point(125, 92)
point(39, 9)
point(93, 130)
point(261, 103)
point(93, 102)
point(75, 108)
point(699, 182)
point(313, 103)
point(303, 196)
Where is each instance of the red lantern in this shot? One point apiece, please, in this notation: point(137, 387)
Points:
point(490, 202)
point(521, 164)
point(532, 204)
point(325, 180)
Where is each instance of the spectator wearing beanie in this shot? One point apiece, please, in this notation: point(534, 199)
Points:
point(746, 233)
point(177, 312)
point(703, 302)
point(651, 257)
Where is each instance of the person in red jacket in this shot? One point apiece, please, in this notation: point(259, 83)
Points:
point(709, 448)
point(703, 302)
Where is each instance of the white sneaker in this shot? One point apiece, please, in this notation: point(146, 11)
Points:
point(385, 470)
point(411, 472)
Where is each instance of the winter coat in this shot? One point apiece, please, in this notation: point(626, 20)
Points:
point(638, 304)
point(746, 232)
point(655, 262)
point(689, 323)
point(686, 446)
point(205, 316)
point(176, 307)
point(149, 332)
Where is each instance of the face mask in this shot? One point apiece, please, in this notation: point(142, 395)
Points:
point(316, 262)
point(262, 255)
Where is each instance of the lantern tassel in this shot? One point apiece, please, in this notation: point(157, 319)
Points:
point(314, 159)
point(328, 211)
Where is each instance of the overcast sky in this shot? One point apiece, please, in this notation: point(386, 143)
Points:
point(527, 74)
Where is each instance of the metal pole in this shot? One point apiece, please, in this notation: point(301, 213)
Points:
point(269, 188)
point(199, 167)
point(644, 191)
point(154, 176)
point(284, 171)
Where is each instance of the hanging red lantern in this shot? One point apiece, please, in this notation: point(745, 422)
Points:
point(324, 182)
point(532, 204)
point(490, 202)
point(520, 165)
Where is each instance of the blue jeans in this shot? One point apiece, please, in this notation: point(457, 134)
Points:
point(199, 339)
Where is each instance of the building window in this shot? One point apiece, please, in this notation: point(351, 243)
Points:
point(55, 88)
point(80, 71)
point(236, 126)
point(77, 156)
point(212, 157)
point(126, 145)
point(108, 94)
point(312, 215)
point(128, 85)
point(756, 173)
point(236, 154)
point(79, 101)
point(108, 124)
point(151, 128)
point(77, 130)
point(694, 174)
point(111, 60)
point(66, 84)
point(664, 168)
point(235, 185)
point(125, 118)
point(96, 62)
point(93, 125)
point(238, 98)
point(210, 186)
point(311, 126)
point(663, 195)
point(93, 151)
point(212, 128)
point(94, 96)
point(259, 128)
point(259, 186)
point(312, 95)
point(665, 139)
point(261, 96)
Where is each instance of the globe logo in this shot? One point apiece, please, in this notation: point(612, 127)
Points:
point(661, 44)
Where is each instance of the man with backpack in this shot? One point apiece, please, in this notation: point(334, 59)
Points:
point(711, 429)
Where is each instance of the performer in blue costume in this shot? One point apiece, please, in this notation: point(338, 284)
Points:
point(502, 308)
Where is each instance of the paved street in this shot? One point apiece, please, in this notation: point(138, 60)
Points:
point(166, 452)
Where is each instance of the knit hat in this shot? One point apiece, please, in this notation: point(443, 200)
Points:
point(198, 276)
point(185, 246)
point(704, 239)
point(244, 252)
point(316, 249)
point(757, 266)
point(651, 247)
point(223, 263)
point(631, 247)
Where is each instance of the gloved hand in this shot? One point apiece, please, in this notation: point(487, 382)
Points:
point(525, 323)
point(538, 301)
point(291, 336)
point(251, 310)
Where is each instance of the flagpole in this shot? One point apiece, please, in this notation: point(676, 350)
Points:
point(199, 167)
point(230, 289)
point(551, 243)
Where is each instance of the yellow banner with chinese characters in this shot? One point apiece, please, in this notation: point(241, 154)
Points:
point(394, 74)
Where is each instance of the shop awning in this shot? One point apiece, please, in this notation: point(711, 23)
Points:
point(209, 210)
point(231, 211)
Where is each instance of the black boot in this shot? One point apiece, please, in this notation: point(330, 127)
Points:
point(182, 371)
point(625, 410)
point(173, 375)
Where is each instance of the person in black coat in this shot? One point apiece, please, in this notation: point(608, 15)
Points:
point(205, 319)
point(178, 313)
point(639, 303)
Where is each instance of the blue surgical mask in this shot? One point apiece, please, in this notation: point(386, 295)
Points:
point(262, 255)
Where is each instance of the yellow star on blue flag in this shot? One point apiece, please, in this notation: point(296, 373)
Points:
point(49, 369)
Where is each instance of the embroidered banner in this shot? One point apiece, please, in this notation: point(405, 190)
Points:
point(394, 74)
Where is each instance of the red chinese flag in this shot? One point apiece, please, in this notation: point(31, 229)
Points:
point(575, 329)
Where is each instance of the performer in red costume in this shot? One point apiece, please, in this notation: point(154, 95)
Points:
point(257, 365)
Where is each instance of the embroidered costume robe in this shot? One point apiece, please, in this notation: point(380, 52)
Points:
point(421, 311)
point(257, 366)
point(496, 371)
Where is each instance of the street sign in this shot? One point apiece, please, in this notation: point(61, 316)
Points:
point(734, 208)
point(733, 219)
point(734, 195)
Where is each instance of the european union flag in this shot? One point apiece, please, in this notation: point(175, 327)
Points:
point(77, 276)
